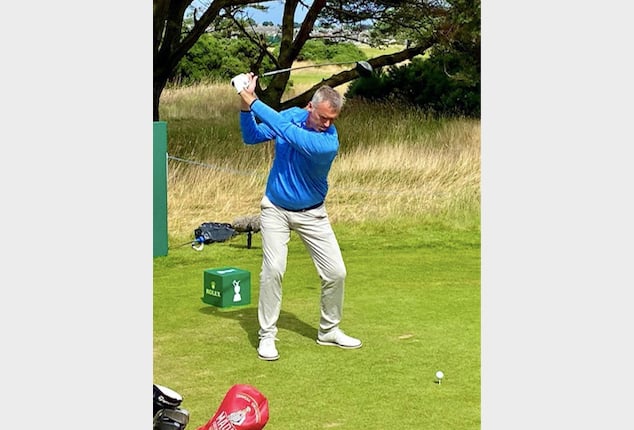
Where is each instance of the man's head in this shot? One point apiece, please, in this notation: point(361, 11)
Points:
point(323, 108)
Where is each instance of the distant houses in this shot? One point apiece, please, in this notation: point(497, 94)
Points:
point(330, 34)
point(273, 31)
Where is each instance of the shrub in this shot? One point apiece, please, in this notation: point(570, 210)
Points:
point(313, 50)
point(426, 83)
point(318, 50)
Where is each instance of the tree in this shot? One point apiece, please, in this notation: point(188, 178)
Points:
point(174, 35)
point(429, 23)
point(447, 81)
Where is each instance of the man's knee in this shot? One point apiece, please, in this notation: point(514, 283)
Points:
point(336, 274)
point(273, 273)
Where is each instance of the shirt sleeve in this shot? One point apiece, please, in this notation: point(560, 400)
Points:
point(307, 142)
point(252, 132)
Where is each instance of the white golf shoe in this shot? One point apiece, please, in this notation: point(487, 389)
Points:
point(338, 338)
point(267, 350)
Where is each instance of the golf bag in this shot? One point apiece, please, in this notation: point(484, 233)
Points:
point(243, 408)
point(168, 415)
point(210, 232)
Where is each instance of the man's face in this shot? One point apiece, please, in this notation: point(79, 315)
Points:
point(321, 115)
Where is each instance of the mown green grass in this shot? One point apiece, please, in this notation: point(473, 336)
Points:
point(375, 51)
point(412, 296)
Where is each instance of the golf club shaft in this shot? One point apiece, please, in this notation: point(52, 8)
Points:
point(275, 72)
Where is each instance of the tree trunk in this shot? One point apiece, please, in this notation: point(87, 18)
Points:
point(159, 85)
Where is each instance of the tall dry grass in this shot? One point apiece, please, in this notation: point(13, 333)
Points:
point(395, 162)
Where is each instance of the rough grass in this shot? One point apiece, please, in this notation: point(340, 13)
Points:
point(394, 162)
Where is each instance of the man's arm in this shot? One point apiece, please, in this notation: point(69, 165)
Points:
point(307, 142)
point(252, 133)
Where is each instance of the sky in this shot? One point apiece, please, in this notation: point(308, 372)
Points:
point(274, 13)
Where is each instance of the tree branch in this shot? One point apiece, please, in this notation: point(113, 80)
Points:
point(349, 75)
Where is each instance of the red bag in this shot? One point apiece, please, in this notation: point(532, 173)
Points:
point(243, 408)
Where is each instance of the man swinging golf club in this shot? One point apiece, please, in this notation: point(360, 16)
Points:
point(306, 143)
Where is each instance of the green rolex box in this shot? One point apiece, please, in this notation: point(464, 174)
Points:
point(226, 287)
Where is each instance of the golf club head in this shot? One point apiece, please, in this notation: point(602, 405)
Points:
point(171, 419)
point(364, 68)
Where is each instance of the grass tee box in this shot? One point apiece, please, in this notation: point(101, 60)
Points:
point(226, 287)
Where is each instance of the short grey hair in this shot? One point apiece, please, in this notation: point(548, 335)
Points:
point(328, 94)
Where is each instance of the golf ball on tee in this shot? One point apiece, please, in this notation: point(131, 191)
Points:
point(439, 374)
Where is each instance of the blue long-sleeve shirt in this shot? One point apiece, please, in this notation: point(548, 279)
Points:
point(299, 175)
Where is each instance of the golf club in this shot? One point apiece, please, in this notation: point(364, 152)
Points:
point(363, 67)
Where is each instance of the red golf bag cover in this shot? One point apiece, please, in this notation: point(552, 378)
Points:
point(243, 408)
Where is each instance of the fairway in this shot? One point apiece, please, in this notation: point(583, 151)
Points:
point(412, 296)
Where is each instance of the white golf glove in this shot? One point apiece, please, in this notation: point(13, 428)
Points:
point(240, 82)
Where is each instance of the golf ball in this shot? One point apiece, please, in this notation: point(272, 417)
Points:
point(439, 374)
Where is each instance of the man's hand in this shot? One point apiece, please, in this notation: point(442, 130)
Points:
point(253, 79)
point(240, 82)
point(248, 93)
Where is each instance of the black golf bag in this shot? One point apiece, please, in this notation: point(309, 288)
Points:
point(210, 232)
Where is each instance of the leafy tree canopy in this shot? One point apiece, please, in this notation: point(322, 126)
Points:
point(437, 26)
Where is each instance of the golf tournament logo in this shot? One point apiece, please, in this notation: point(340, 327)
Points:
point(228, 422)
point(238, 417)
point(236, 290)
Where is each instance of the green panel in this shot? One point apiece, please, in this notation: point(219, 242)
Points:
point(226, 287)
point(160, 188)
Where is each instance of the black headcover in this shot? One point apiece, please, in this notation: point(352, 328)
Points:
point(165, 398)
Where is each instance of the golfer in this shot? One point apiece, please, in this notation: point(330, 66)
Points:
point(306, 143)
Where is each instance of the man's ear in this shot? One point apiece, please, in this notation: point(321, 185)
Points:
point(309, 106)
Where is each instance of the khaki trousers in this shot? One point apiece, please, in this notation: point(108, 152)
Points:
point(314, 229)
